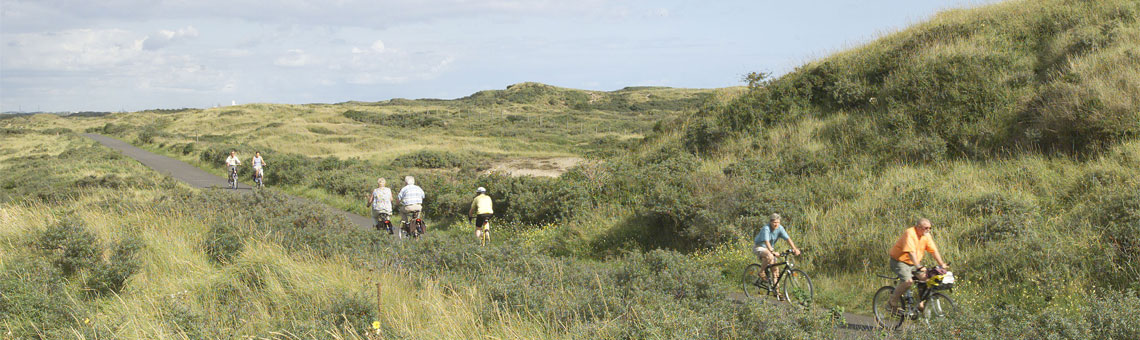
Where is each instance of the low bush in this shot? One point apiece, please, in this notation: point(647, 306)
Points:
point(429, 159)
point(110, 276)
point(69, 245)
point(224, 242)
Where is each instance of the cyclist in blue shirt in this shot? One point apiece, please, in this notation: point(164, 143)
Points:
point(765, 243)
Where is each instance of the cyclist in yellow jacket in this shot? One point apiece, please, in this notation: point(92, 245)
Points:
point(481, 211)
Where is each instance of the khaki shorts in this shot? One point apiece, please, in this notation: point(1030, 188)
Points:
point(903, 270)
point(760, 252)
point(407, 210)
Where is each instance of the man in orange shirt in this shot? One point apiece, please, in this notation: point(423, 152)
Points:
point(907, 254)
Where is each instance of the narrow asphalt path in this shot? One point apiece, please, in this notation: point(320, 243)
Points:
point(194, 176)
point(856, 327)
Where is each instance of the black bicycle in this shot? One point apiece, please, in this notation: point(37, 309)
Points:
point(792, 285)
point(930, 304)
point(233, 177)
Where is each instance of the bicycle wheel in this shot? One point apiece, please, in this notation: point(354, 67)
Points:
point(885, 316)
point(939, 306)
point(796, 287)
point(754, 286)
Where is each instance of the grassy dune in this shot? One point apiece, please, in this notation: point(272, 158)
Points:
point(1012, 126)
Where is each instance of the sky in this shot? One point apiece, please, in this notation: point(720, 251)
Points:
point(130, 55)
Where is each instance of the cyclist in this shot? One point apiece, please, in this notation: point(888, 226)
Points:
point(257, 164)
point(765, 243)
point(481, 211)
point(411, 198)
point(233, 162)
point(381, 202)
point(907, 254)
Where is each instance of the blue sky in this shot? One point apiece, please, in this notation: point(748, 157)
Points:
point(111, 55)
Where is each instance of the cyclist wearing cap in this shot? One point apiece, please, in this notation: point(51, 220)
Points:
point(906, 255)
point(481, 211)
point(765, 243)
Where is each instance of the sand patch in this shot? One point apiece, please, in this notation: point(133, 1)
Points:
point(538, 167)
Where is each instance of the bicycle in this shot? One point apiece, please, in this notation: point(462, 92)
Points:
point(792, 285)
point(233, 180)
point(383, 220)
point(415, 228)
point(484, 232)
point(258, 175)
point(934, 304)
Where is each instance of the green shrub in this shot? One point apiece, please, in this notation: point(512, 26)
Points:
point(69, 245)
point(703, 135)
point(430, 159)
point(146, 136)
point(187, 149)
point(1003, 217)
point(401, 120)
point(110, 276)
point(56, 131)
point(288, 169)
point(223, 242)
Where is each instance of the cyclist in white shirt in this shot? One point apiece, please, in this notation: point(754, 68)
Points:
point(232, 161)
point(257, 164)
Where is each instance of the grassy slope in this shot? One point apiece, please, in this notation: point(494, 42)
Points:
point(1012, 126)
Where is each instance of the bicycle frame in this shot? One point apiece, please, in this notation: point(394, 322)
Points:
point(788, 264)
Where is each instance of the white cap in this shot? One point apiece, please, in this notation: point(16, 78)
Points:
point(481, 189)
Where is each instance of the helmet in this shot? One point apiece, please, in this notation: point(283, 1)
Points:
point(480, 190)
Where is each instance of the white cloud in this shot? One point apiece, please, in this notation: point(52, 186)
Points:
point(162, 38)
point(295, 58)
point(25, 15)
point(71, 50)
point(380, 64)
point(232, 52)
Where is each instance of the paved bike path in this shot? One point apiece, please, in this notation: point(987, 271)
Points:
point(196, 177)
